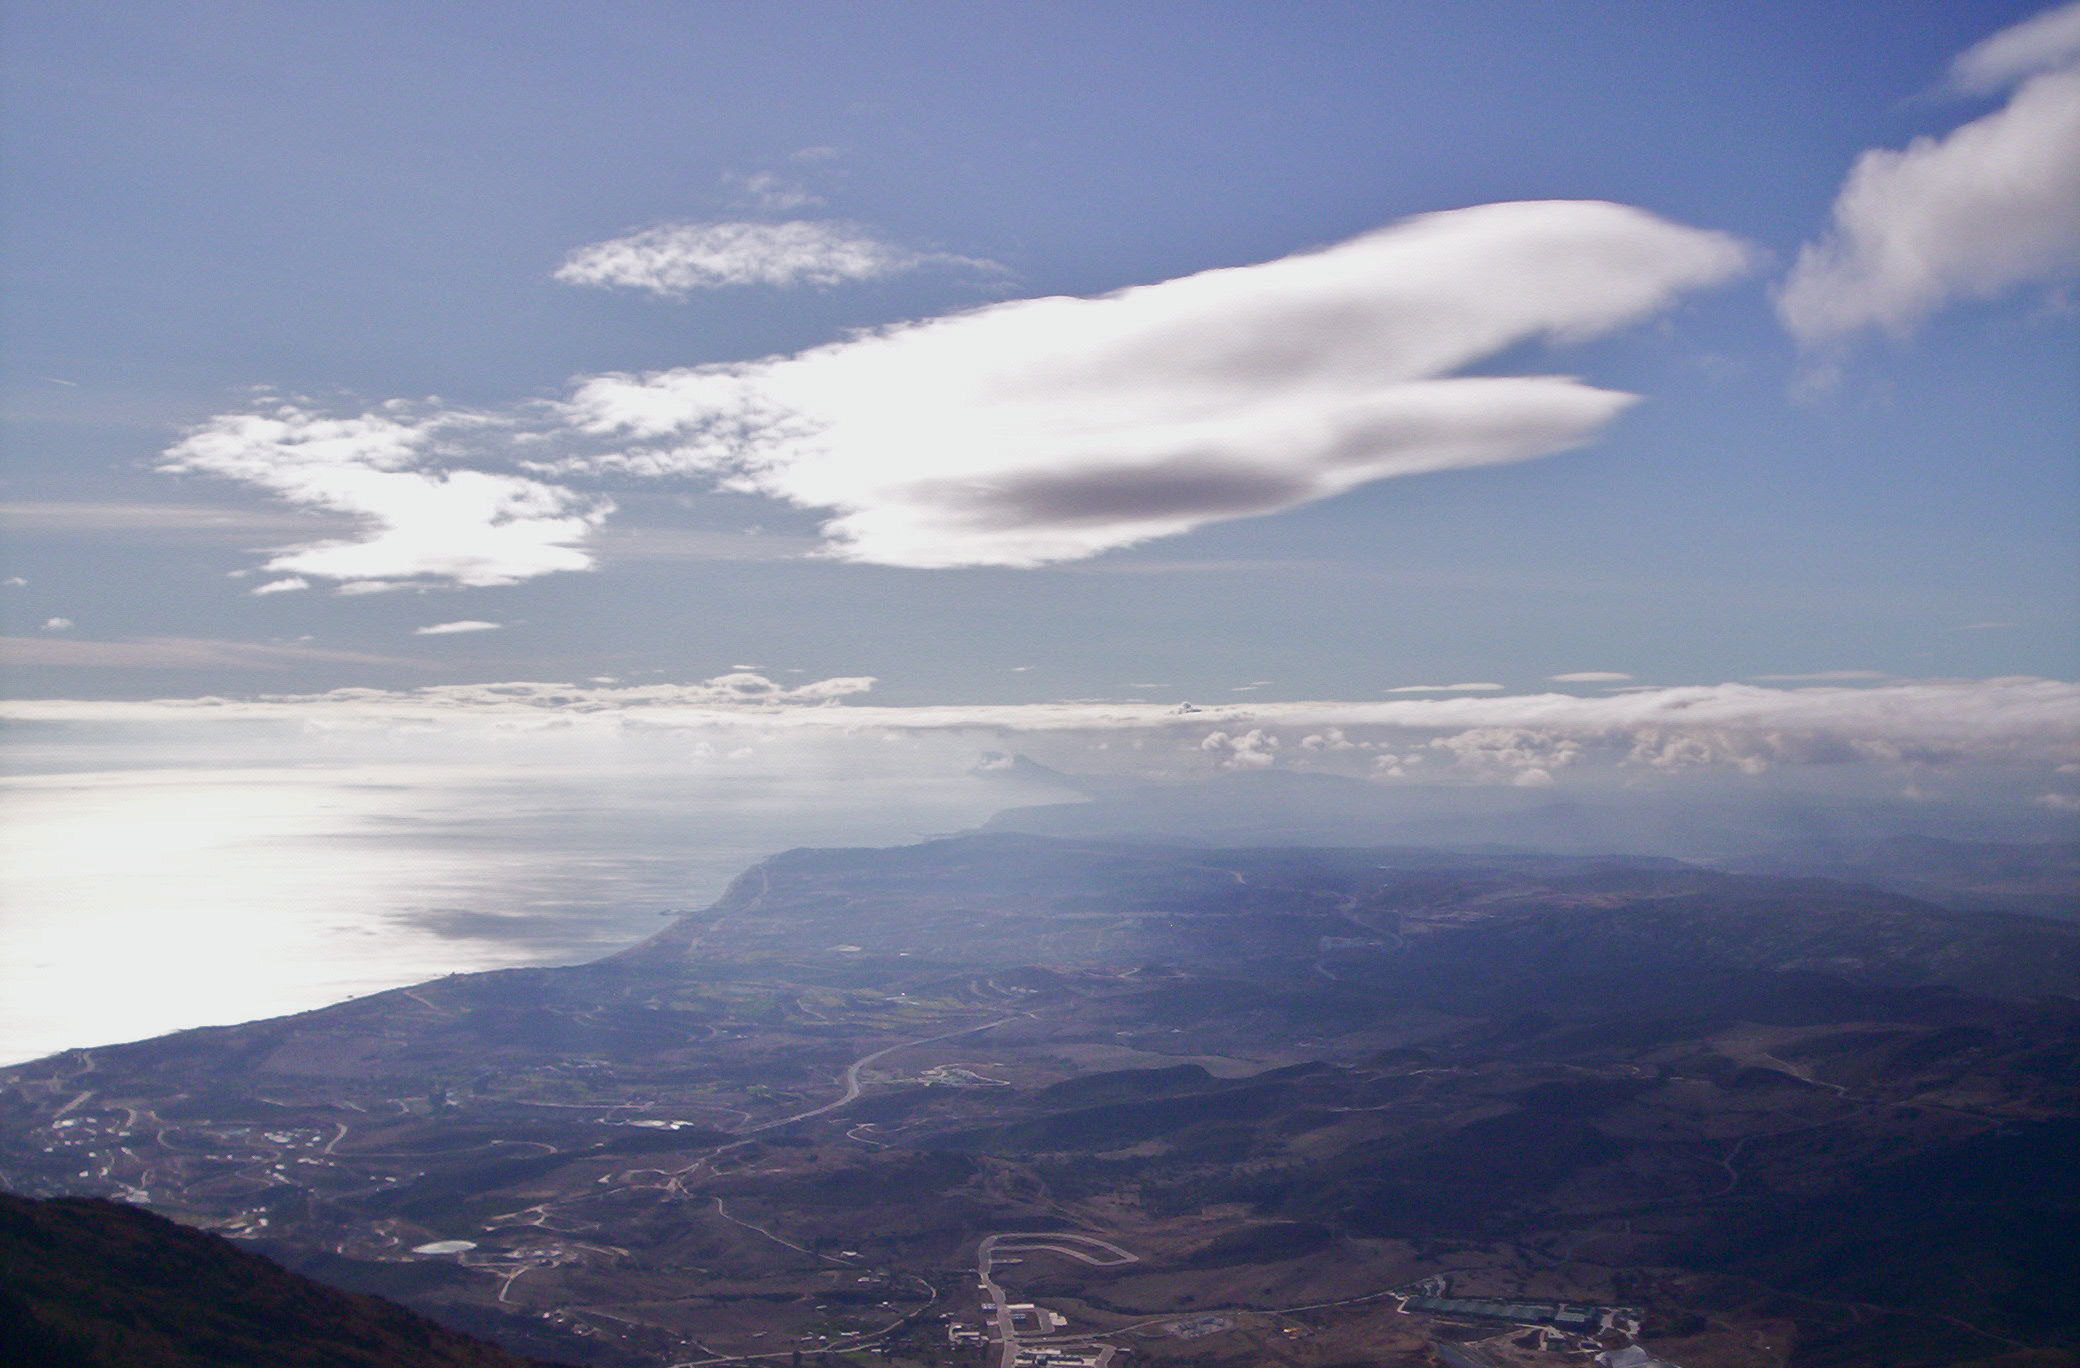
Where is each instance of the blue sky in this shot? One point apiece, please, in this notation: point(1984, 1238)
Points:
point(359, 202)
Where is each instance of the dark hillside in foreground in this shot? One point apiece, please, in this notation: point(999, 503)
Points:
point(92, 1284)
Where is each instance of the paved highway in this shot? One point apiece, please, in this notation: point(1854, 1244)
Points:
point(853, 1088)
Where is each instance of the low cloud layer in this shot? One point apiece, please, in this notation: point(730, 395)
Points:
point(1486, 738)
point(1988, 208)
point(675, 259)
point(176, 653)
point(1053, 429)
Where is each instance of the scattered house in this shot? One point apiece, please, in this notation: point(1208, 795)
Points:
point(1036, 1320)
point(1196, 1326)
point(1570, 1316)
point(1040, 1356)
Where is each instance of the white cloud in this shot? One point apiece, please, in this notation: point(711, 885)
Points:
point(451, 628)
point(57, 624)
point(2047, 42)
point(726, 695)
point(1254, 749)
point(1052, 429)
point(281, 586)
point(1524, 757)
point(1590, 677)
point(1482, 687)
point(1020, 434)
point(13, 582)
point(771, 193)
point(420, 523)
point(675, 258)
point(1992, 206)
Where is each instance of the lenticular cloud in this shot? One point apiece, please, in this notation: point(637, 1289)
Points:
point(1022, 433)
point(1053, 429)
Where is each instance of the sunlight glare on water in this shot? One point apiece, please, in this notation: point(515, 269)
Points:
point(140, 901)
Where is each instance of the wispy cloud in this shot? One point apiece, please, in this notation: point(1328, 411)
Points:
point(58, 624)
point(624, 542)
point(1820, 677)
point(202, 521)
point(176, 653)
point(1049, 430)
point(1991, 206)
point(2047, 42)
point(674, 259)
point(453, 628)
point(1482, 687)
point(769, 192)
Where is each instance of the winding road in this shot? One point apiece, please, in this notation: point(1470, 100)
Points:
point(1058, 1242)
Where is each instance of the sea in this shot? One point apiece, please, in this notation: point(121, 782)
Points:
point(154, 883)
